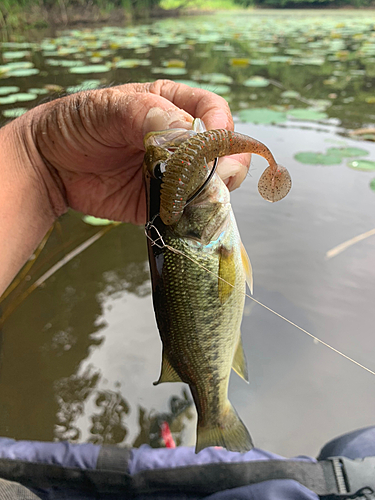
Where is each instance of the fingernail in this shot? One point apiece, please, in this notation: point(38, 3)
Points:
point(162, 119)
point(232, 172)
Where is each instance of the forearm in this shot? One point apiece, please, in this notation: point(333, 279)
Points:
point(25, 213)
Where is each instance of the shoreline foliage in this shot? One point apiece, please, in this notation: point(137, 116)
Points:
point(17, 14)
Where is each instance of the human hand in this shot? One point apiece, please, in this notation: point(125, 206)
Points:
point(88, 147)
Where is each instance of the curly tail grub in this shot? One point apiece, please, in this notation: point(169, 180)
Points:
point(187, 169)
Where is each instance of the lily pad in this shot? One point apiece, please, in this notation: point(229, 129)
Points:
point(216, 89)
point(307, 114)
point(64, 63)
point(258, 62)
point(363, 165)
point(372, 184)
point(19, 54)
point(93, 68)
point(21, 97)
point(216, 78)
point(256, 81)
point(38, 91)
point(239, 61)
point(132, 63)
point(312, 158)
point(348, 152)
point(174, 63)
point(8, 90)
point(96, 221)
point(18, 65)
point(86, 85)
point(23, 72)
point(170, 71)
point(290, 94)
point(262, 115)
point(14, 112)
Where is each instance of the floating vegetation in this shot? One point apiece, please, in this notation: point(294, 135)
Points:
point(22, 72)
point(308, 114)
point(216, 78)
point(290, 94)
point(363, 165)
point(132, 63)
point(169, 71)
point(372, 184)
point(174, 63)
point(89, 69)
point(13, 112)
point(38, 91)
point(309, 59)
point(256, 81)
point(16, 54)
point(8, 90)
point(333, 156)
point(96, 221)
point(86, 85)
point(262, 116)
point(21, 97)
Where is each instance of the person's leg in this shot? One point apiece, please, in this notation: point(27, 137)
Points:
point(15, 491)
point(356, 444)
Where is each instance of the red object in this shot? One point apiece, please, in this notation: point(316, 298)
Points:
point(167, 435)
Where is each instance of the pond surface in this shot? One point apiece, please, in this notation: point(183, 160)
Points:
point(80, 352)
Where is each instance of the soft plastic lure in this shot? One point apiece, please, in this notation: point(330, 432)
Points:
point(186, 169)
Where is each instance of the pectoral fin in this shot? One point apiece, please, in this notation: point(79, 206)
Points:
point(247, 268)
point(227, 273)
point(239, 364)
point(168, 373)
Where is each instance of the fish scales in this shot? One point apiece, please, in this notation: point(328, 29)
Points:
point(211, 330)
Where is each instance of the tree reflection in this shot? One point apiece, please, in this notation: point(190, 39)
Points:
point(108, 426)
point(57, 326)
point(150, 422)
point(71, 395)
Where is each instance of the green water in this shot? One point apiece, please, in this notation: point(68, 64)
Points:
point(80, 353)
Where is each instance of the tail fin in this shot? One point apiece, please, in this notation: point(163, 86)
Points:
point(230, 433)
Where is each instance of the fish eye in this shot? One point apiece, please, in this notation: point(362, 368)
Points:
point(158, 170)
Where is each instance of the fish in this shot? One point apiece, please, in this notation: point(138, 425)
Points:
point(199, 270)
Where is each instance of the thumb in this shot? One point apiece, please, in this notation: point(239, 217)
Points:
point(161, 119)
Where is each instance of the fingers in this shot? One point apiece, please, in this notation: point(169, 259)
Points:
point(233, 169)
point(199, 103)
point(142, 108)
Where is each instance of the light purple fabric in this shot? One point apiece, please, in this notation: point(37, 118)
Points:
point(83, 456)
point(145, 458)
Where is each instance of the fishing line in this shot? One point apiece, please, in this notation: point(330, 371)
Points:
point(161, 244)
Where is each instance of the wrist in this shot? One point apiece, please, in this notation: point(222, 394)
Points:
point(25, 208)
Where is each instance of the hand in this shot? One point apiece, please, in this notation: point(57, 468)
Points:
point(88, 147)
point(85, 151)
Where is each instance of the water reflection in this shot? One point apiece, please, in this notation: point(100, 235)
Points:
point(151, 422)
point(71, 394)
point(57, 326)
point(108, 426)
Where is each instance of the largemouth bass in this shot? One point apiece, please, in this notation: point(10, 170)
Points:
point(199, 270)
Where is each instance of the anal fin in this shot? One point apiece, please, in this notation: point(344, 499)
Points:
point(239, 364)
point(168, 373)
